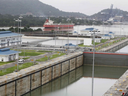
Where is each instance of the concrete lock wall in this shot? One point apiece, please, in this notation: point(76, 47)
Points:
point(8, 89)
point(19, 83)
point(22, 86)
point(107, 59)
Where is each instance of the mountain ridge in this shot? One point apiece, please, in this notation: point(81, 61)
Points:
point(35, 7)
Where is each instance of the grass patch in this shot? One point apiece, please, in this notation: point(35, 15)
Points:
point(82, 45)
point(12, 69)
point(30, 53)
point(43, 51)
point(26, 58)
point(96, 43)
point(51, 57)
point(104, 40)
point(3, 63)
point(110, 43)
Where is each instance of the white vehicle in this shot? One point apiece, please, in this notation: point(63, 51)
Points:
point(21, 61)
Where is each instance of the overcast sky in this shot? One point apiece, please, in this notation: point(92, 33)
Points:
point(87, 7)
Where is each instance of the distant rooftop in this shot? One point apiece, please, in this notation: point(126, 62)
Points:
point(111, 33)
point(4, 49)
point(75, 32)
point(107, 35)
point(90, 29)
point(7, 51)
point(8, 34)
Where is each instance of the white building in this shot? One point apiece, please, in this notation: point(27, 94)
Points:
point(106, 36)
point(8, 55)
point(98, 40)
point(75, 33)
point(111, 34)
point(89, 31)
point(88, 41)
point(7, 38)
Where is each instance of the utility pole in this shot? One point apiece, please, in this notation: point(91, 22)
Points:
point(93, 61)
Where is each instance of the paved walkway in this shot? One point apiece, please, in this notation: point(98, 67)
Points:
point(119, 87)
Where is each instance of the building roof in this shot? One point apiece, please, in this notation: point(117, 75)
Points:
point(7, 51)
point(8, 34)
point(90, 29)
point(107, 35)
point(70, 44)
point(4, 49)
point(75, 32)
point(111, 33)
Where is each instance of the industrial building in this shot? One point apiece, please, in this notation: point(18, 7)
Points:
point(7, 39)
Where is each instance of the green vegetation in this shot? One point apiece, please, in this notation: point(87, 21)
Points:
point(29, 21)
point(43, 51)
point(50, 57)
point(110, 43)
point(26, 58)
point(30, 53)
point(12, 69)
point(3, 63)
point(26, 65)
point(104, 40)
point(82, 45)
point(96, 43)
point(104, 45)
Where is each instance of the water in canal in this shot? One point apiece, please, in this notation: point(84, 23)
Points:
point(78, 82)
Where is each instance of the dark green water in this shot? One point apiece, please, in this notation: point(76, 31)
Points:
point(78, 82)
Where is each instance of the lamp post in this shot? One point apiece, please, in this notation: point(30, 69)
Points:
point(18, 43)
point(19, 31)
point(62, 32)
point(103, 27)
point(18, 20)
point(14, 24)
point(55, 34)
point(77, 32)
point(93, 60)
point(68, 31)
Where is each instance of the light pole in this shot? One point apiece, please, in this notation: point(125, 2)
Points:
point(93, 60)
point(103, 27)
point(14, 24)
point(77, 32)
point(68, 31)
point(18, 31)
point(18, 26)
point(55, 34)
point(18, 41)
point(62, 32)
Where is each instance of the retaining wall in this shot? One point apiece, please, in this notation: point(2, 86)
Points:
point(107, 59)
point(19, 83)
point(115, 47)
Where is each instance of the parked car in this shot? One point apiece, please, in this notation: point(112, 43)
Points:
point(21, 61)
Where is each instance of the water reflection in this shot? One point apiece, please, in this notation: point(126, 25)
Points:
point(78, 82)
point(104, 71)
point(58, 84)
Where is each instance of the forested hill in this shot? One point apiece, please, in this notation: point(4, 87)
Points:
point(37, 8)
point(107, 13)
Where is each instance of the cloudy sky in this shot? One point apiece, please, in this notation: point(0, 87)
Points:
point(87, 7)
